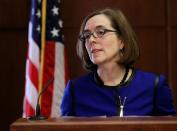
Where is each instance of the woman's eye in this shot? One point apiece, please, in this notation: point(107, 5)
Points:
point(101, 32)
point(87, 35)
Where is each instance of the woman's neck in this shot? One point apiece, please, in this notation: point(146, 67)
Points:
point(111, 74)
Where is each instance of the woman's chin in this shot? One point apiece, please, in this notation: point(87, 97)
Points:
point(97, 61)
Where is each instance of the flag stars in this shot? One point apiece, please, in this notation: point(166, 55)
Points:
point(38, 29)
point(55, 10)
point(39, 1)
point(54, 32)
point(38, 14)
point(60, 23)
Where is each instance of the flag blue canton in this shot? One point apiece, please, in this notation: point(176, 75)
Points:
point(54, 31)
point(54, 24)
point(36, 21)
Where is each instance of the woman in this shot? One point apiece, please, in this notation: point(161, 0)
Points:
point(108, 48)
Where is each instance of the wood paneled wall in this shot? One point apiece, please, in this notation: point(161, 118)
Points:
point(154, 21)
point(13, 47)
point(172, 47)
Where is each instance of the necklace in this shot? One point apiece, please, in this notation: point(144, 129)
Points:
point(99, 81)
point(125, 76)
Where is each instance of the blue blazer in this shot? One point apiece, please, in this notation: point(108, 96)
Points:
point(88, 96)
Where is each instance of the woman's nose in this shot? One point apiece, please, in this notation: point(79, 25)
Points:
point(92, 38)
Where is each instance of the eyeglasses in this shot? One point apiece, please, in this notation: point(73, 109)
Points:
point(98, 33)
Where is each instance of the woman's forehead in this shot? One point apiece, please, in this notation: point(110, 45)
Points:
point(97, 20)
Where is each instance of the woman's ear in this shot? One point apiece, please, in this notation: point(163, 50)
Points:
point(121, 45)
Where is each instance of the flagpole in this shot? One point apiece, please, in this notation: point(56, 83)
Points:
point(43, 33)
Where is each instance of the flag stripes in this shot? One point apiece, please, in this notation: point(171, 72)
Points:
point(45, 61)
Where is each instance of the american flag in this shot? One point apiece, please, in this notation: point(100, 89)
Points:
point(46, 59)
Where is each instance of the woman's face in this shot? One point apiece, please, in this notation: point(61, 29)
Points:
point(102, 47)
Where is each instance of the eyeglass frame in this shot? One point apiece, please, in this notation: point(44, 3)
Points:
point(95, 34)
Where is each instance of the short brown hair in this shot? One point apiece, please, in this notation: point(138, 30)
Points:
point(125, 32)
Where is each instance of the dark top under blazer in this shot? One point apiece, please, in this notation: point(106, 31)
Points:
point(88, 96)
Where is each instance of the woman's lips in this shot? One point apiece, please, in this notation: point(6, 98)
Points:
point(96, 50)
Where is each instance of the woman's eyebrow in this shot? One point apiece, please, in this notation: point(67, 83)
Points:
point(100, 26)
point(86, 30)
point(97, 27)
